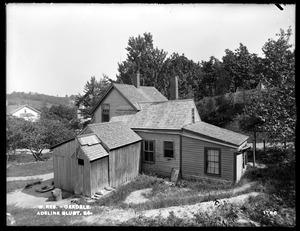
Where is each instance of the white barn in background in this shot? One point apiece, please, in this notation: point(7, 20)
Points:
point(27, 112)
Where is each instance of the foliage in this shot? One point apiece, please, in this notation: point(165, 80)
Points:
point(275, 155)
point(93, 90)
point(243, 67)
point(215, 80)
point(274, 110)
point(219, 111)
point(35, 136)
point(65, 114)
point(13, 133)
point(268, 211)
point(144, 57)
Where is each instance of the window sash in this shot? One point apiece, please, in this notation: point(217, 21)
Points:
point(213, 165)
point(148, 151)
point(105, 113)
point(169, 149)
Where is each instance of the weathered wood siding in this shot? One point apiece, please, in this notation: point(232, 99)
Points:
point(62, 165)
point(99, 174)
point(83, 175)
point(124, 164)
point(162, 165)
point(193, 159)
point(118, 106)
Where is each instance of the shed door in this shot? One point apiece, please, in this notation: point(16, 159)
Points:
point(81, 176)
point(99, 174)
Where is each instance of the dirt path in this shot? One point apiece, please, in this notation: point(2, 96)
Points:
point(117, 216)
point(137, 197)
point(43, 177)
point(29, 198)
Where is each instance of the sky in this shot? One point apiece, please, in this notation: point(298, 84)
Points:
point(55, 49)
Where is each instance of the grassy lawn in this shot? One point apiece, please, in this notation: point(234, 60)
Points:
point(25, 158)
point(18, 184)
point(30, 169)
point(163, 195)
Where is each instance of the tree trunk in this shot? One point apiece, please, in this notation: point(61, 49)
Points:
point(35, 155)
point(254, 148)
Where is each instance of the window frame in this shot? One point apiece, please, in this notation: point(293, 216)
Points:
point(206, 149)
point(149, 151)
point(193, 115)
point(173, 149)
point(80, 161)
point(105, 114)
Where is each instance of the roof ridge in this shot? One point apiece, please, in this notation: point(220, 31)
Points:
point(103, 123)
point(176, 100)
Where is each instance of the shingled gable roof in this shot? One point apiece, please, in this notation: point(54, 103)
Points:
point(172, 114)
point(113, 134)
point(134, 95)
point(218, 133)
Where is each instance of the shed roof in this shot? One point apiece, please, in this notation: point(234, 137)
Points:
point(114, 134)
point(218, 133)
point(94, 152)
point(134, 95)
point(173, 114)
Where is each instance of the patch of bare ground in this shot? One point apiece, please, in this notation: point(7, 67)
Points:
point(44, 177)
point(30, 198)
point(138, 196)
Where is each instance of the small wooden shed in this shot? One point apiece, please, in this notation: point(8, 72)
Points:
point(104, 154)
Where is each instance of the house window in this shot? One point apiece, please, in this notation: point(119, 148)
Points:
point(80, 162)
point(105, 112)
point(212, 161)
point(193, 115)
point(148, 151)
point(169, 149)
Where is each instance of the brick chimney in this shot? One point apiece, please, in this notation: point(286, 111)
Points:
point(174, 88)
point(136, 80)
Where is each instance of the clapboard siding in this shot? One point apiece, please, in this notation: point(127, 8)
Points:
point(162, 165)
point(118, 106)
point(193, 159)
point(124, 164)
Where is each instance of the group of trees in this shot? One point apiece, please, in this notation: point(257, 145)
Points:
point(36, 99)
point(238, 68)
point(56, 124)
point(274, 110)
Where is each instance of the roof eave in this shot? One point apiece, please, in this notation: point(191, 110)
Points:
point(107, 92)
point(216, 139)
point(102, 98)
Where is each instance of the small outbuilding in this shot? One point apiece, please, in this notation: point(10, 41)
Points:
point(104, 154)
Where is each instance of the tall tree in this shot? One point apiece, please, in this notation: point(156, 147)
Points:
point(144, 57)
point(189, 76)
point(93, 90)
point(274, 110)
point(242, 66)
